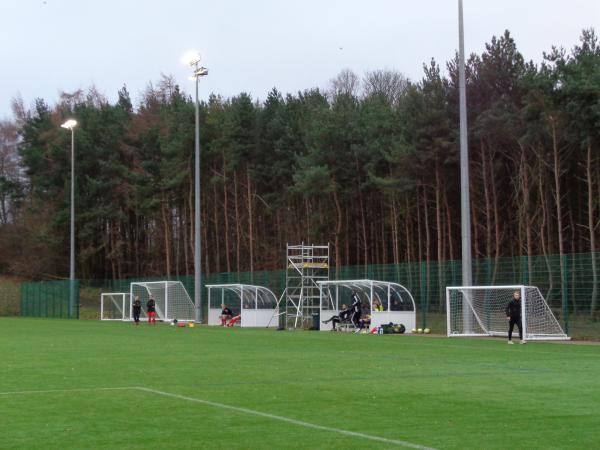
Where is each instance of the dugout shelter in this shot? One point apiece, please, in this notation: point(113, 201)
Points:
point(255, 304)
point(397, 302)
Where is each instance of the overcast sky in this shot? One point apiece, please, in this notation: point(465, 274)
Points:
point(48, 46)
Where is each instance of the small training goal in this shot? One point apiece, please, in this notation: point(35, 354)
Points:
point(395, 302)
point(171, 298)
point(256, 305)
point(114, 306)
point(480, 311)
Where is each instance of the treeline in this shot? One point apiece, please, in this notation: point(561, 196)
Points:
point(370, 165)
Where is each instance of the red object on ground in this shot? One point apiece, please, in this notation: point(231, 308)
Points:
point(234, 320)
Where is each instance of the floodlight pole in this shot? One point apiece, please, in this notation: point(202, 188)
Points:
point(465, 211)
point(197, 256)
point(198, 72)
point(72, 258)
point(70, 125)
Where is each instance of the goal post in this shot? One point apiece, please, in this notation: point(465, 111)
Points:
point(480, 311)
point(114, 306)
point(171, 298)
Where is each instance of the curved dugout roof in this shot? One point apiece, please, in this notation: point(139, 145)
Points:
point(380, 289)
point(264, 297)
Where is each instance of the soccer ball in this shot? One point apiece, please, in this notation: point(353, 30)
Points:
point(172, 324)
point(426, 331)
point(191, 324)
point(414, 330)
point(181, 324)
point(419, 330)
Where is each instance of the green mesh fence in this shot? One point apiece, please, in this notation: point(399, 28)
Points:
point(49, 299)
point(567, 285)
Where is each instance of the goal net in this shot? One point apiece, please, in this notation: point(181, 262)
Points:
point(171, 298)
point(114, 306)
point(480, 311)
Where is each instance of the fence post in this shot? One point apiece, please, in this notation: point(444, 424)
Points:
point(565, 292)
point(525, 270)
point(424, 293)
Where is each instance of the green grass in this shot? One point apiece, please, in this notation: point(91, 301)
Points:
point(431, 391)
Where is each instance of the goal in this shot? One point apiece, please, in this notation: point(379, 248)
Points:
point(114, 306)
point(172, 300)
point(480, 311)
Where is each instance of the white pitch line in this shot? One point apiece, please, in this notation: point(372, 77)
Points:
point(52, 391)
point(287, 419)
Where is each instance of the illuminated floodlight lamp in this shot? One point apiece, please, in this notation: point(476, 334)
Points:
point(69, 124)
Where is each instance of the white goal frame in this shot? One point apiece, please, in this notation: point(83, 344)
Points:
point(172, 300)
point(471, 316)
point(120, 300)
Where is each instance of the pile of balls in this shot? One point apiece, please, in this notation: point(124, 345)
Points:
point(182, 324)
point(421, 330)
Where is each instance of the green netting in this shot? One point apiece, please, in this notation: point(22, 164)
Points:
point(567, 285)
point(49, 299)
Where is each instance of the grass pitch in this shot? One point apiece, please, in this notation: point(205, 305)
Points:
point(86, 384)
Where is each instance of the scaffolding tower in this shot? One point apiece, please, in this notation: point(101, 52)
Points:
point(306, 266)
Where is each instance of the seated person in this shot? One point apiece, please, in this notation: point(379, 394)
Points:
point(226, 315)
point(377, 306)
point(233, 320)
point(343, 316)
point(365, 321)
point(400, 305)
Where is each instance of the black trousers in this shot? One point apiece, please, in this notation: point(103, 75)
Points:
point(334, 319)
point(511, 327)
point(356, 319)
point(136, 316)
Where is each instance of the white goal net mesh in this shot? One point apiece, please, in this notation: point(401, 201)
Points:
point(481, 311)
point(171, 298)
point(114, 306)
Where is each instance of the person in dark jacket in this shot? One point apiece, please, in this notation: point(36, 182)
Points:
point(356, 309)
point(137, 309)
point(513, 315)
point(343, 316)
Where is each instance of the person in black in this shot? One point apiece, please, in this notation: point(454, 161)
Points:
point(513, 315)
point(226, 315)
point(151, 307)
point(356, 309)
point(136, 310)
point(343, 316)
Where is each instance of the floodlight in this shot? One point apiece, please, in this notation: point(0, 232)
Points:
point(69, 124)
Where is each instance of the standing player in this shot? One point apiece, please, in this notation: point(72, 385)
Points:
point(137, 309)
point(356, 309)
point(151, 307)
point(513, 315)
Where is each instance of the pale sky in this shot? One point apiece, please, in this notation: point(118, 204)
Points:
point(48, 46)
